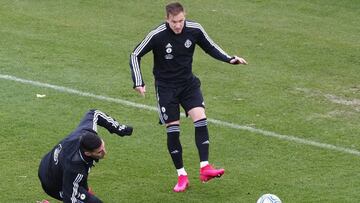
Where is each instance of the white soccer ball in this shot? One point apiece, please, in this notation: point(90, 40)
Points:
point(269, 198)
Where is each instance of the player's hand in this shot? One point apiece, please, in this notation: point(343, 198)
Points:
point(238, 60)
point(125, 130)
point(141, 90)
point(91, 191)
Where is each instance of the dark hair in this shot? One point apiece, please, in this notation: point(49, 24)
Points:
point(90, 141)
point(174, 8)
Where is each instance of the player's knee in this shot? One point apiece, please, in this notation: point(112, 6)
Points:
point(173, 123)
point(197, 113)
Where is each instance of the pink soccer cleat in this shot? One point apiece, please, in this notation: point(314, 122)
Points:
point(182, 184)
point(208, 172)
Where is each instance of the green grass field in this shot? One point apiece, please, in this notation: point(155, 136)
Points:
point(287, 123)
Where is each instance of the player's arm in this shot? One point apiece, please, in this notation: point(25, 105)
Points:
point(135, 58)
point(75, 188)
point(214, 50)
point(94, 117)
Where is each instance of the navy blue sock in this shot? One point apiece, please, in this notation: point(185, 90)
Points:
point(174, 145)
point(202, 139)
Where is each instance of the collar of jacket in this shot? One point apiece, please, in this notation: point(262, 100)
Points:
point(87, 159)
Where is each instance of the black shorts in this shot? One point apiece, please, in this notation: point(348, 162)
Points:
point(48, 187)
point(55, 191)
point(169, 100)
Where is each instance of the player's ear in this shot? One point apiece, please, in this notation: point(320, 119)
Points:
point(87, 153)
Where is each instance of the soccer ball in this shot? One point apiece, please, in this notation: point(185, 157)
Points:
point(269, 198)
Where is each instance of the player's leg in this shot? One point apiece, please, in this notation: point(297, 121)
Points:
point(174, 146)
point(169, 114)
point(175, 150)
point(195, 107)
point(207, 172)
point(198, 117)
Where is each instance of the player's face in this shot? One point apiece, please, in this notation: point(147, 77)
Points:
point(176, 22)
point(100, 152)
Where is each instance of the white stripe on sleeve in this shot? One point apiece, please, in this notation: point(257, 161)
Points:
point(134, 56)
point(76, 187)
point(104, 116)
point(198, 26)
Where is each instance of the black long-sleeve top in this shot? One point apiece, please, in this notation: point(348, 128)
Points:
point(173, 54)
point(67, 167)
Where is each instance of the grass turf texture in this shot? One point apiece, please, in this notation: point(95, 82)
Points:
point(302, 80)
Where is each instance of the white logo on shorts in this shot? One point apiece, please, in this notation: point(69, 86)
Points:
point(163, 109)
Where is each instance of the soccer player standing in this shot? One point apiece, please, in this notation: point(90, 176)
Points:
point(173, 45)
point(63, 172)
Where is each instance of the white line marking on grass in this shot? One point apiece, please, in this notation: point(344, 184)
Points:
point(215, 121)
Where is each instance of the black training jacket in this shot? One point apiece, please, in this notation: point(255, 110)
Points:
point(65, 168)
point(173, 54)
